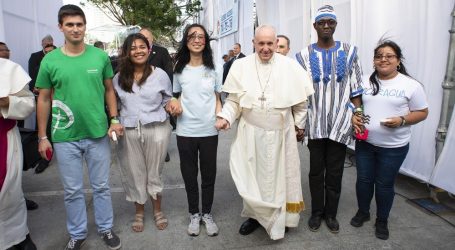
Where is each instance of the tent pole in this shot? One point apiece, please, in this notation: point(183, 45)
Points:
point(448, 86)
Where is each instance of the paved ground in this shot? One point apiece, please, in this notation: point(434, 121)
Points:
point(411, 227)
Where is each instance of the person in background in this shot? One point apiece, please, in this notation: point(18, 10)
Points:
point(236, 54)
point(392, 101)
point(197, 85)
point(283, 45)
point(225, 58)
point(33, 67)
point(35, 59)
point(143, 91)
point(99, 45)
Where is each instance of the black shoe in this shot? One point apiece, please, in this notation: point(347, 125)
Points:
point(75, 244)
point(314, 222)
point(42, 165)
point(249, 226)
point(332, 224)
point(31, 205)
point(168, 158)
point(359, 219)
point(26, 244)
point(382, 232)
point(111, 240)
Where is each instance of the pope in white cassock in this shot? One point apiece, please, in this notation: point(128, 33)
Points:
point(16, 103)
point(268, 94)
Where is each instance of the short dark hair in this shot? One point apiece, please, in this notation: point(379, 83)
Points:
point(240, 46)
point(70, 10)
point(2, 43)
point(224, 56)
point(287, 39)
point(98, 44)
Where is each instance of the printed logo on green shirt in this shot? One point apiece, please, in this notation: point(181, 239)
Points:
point(62, 115)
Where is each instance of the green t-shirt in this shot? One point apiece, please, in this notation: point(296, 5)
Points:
point(78, 96)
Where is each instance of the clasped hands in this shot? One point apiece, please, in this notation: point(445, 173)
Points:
point(173, 107)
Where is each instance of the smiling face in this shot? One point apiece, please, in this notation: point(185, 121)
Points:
point(325, 28)
point(265, 43)
point(196, 40)
point(386, 62)
point(73, 28)
point(139, 52)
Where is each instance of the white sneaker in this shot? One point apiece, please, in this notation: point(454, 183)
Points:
point(193, 227)
point(210, 225)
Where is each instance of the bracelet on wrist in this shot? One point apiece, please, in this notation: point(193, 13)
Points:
point(42, 138)
point(403, 121)
point(115, 120)
point(358, 110)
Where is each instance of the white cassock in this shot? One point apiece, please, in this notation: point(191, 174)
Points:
point(269, 99)
point(13, 212)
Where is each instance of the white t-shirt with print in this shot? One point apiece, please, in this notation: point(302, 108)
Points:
point(396, 97)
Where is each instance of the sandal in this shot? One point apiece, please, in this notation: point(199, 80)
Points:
point(138, 224)
point(160, 220)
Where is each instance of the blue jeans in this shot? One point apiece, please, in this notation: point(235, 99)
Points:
point(377, 169)
point(97, 155)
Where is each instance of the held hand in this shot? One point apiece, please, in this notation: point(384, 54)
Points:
point(393, 122)
point(357, 122)
point(300, 133)
point(174, 107)
point(117, 128)
point(43, 147)
point(222, 124)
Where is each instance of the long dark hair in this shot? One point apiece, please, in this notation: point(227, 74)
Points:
point(126, 67)
point(183, 53)
point(401, 68)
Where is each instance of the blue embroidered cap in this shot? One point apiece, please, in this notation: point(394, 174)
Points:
point(325, 12)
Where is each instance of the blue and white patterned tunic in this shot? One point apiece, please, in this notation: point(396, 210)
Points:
point(337, 77)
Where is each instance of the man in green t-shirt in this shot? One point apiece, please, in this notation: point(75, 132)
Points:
point(77, 77)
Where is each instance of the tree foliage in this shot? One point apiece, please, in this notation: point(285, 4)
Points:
point(162, 16)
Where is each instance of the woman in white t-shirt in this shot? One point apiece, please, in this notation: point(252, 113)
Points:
point(197, 85)
point(392, 102)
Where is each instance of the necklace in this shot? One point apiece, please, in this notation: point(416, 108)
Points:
point(262, 97)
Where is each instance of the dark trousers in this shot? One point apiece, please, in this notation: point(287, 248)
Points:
point(377, 169)
point(192, 149)
point(326, 171)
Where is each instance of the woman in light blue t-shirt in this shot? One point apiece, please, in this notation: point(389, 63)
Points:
point(197, 86)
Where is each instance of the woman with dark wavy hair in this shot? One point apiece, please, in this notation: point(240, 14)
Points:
point(143, 92)
point(197, 85)
point(392, 102)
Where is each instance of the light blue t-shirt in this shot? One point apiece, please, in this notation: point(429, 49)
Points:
point(197, 86)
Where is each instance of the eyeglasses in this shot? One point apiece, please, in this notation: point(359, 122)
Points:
point(194, 37)
point(329, 22)
point(387, 57)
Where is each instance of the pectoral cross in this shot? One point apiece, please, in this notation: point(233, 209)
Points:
point(262, 99)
